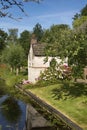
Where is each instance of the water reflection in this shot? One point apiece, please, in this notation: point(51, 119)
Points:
point(3, 88)
point(12, 113)
point(11, 110)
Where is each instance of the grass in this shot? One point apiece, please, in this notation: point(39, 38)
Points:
point(9, 79)
point(69, 98)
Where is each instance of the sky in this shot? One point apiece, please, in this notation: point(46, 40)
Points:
point(47, 13)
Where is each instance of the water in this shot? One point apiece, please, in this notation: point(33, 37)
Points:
point(12, 113)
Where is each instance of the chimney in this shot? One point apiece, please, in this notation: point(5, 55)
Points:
point(33, 39)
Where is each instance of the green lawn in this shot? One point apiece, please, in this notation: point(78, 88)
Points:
point(70, 99)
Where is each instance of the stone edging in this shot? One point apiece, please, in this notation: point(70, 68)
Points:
point(51, 109)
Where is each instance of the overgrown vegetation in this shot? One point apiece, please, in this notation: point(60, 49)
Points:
point(9, 79)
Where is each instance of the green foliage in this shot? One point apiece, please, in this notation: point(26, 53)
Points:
point(76, 16)
point(3, 37)
point(14, 56)
point(53, 63)
point(24, 41)
point(64, 42)
point(7, 85)
point(3, 88)
point(48, 77)
point(11, 110)
point(77, 51)
point(80, 18)
point(54, 74)
point(13, 35)
point(84, 11)
point(83, 28)
point(38, 31)
point(56, 39)
point(78, 22)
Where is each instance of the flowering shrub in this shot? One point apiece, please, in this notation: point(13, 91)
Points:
point(55, 73)
point(66, 72)
point(25, 81)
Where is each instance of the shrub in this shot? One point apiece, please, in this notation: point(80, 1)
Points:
point(53, 75)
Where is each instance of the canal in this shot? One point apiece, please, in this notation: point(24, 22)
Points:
point(13, 112)
point(19, 114)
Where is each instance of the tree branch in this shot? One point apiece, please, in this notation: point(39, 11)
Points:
point(7, 4)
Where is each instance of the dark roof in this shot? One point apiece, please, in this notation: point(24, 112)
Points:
point(39, 49)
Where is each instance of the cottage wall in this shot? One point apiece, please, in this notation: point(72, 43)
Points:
point(34, 73)
point(36, 65)
point(39, 62)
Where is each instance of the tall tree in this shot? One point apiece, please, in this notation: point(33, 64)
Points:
point(77, 51)
point(56, 39)
point(38, 31)
point(14, 56)
point(84, 11)
point(24, 41)
point(3, 39)
point(13, 35)
point(65, 42)
point(80, 18)
point(78, 22)
point(76, 16)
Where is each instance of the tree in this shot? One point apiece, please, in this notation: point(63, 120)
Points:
point(84, 11)
point(76, 51)
point(83, 28)
point(80, 18)
point(5, 5)
point(38, 31)
point(13, 35)
point(78, 22)
point(14, 56)
point(76, 16)
point(3, 39)
point(64, 42)
point(24, 41)
point(56, 39)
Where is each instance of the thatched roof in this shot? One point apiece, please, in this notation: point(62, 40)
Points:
point(39, 49)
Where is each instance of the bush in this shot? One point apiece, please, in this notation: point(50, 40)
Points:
point(53, 75)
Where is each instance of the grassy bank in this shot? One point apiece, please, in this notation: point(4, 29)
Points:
point(9, 79)
point(69, 98)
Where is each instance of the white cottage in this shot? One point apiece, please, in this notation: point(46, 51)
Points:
point(36, 63)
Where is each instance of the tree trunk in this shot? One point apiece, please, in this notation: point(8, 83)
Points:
point(17, 71)
point(11, 69)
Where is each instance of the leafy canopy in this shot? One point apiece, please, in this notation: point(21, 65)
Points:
point(3, 39)
point(14, 56)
